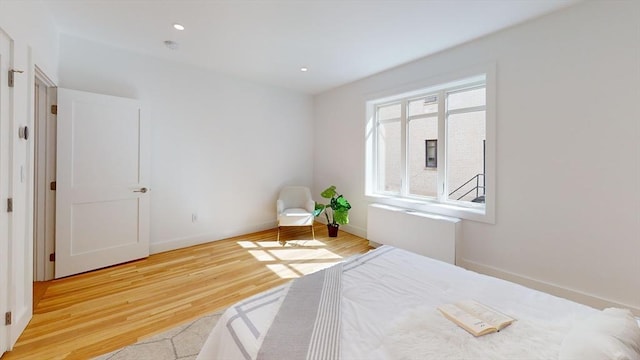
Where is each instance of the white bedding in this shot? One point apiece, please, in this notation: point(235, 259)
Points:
point(388, 291)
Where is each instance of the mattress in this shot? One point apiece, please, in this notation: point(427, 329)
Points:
point(388, 311)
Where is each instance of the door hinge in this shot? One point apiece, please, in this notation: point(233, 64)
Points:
point(52, 257)
point(10, 205)
point(11, 76)
point(7, 318)
point(54, 109)
point(52, 185)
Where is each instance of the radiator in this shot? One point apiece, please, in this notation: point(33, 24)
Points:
point(431, 235)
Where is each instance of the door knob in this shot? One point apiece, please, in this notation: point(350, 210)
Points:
point(142, 190)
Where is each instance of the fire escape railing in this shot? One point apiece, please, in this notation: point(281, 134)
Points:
point(480, 186)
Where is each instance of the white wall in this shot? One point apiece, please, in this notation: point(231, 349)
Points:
point(568, 150)
point(29, 23)
point(35, 43)
point(221, 147)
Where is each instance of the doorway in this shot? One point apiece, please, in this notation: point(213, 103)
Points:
point(45, 123)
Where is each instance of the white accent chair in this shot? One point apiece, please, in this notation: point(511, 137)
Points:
point(295, 208)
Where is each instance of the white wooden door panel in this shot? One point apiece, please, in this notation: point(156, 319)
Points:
point(4, 185)
point(121, 229)
point(110, 163)
point(102, 216)
point(16, 270)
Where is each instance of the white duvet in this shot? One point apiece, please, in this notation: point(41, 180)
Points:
point(388, 312)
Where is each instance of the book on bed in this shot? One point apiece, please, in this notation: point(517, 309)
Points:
point(476, 318)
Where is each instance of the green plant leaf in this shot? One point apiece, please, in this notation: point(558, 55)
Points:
point(329, 192)
point(341, 216)
point(318, 209)
point(342, 203)
point(333, 203)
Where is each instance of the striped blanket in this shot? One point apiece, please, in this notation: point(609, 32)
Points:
point(308, 322)
point(301, 318)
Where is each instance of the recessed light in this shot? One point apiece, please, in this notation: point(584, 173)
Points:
point(304, 69)
point(178, 26)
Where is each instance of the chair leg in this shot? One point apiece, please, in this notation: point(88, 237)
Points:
point(313, 233)
point(278, 238)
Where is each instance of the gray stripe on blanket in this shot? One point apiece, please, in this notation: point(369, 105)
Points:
point(325, 340)
point(308, 323)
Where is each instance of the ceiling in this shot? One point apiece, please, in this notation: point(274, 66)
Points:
point(268, 41)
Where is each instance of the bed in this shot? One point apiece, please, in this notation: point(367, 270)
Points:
point(383, 305)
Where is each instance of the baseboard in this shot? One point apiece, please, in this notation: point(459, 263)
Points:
point(574, 295)
point(354, 230)
point(179, 243)
point(174, 244)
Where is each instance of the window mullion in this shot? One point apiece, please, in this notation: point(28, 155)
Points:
point(404, 187)
point(422, 116)
point(466, 110)
point(376, 145)
point(442, 147)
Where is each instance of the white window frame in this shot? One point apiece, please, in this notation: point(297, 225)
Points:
point(440, 204)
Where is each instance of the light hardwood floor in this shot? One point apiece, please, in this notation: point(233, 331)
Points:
point(90, 314)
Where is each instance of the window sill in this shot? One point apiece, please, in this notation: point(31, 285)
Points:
point(462, 212)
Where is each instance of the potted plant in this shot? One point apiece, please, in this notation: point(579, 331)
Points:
point(336, 211)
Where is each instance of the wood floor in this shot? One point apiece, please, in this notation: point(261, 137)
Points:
point(87, 315)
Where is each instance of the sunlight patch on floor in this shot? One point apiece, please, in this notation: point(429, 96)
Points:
point(287, 243)
point(284, 271)
point(262, 255)
point(293, 258)
point(308, 242)
point(308, 268)
point(247, 244)
point(303, 254)
point(268, 244)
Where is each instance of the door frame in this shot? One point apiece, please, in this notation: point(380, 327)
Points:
point(45, 123)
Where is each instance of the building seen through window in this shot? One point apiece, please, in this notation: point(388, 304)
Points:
point(432, 145)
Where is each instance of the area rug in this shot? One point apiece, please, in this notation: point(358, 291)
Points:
point(182, 342)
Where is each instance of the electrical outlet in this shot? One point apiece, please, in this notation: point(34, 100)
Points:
point(194, 217)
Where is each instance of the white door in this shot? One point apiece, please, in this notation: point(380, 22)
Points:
point(16, 253)
point(103, 199)
point(5, 49)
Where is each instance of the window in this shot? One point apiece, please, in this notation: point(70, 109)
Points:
point(431, 153)
point(428, 149)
